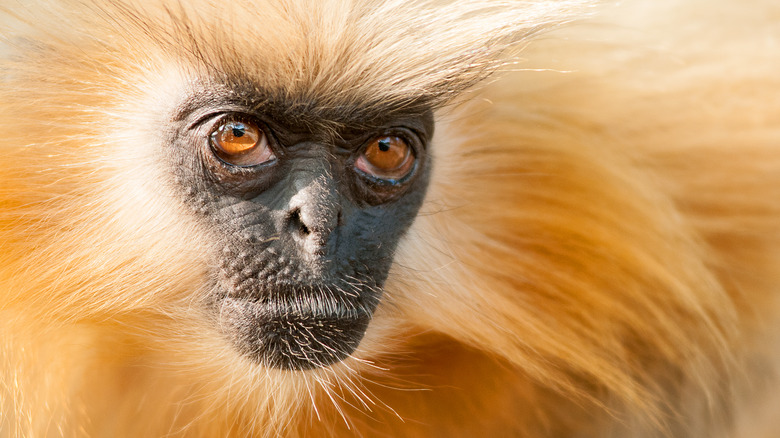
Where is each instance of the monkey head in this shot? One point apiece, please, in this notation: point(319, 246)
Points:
point(251, 187)
point(300, 176)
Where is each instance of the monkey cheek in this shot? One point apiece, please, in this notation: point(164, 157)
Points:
point(291, 340)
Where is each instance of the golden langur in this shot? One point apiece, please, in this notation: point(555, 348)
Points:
point(427, 218)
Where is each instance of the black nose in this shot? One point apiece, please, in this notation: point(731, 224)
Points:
point(313, 213)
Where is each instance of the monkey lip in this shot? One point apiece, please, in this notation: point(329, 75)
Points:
point(296, 335)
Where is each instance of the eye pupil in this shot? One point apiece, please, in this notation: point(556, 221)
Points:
point(238, 131)
point(384, 145)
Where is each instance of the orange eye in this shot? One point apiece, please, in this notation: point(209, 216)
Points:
point(241, 143)
point(386, 157)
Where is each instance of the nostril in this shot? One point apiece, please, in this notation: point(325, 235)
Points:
point(303, 229)
point(295, 223)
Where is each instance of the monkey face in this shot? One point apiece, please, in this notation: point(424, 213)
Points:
point(303, 218)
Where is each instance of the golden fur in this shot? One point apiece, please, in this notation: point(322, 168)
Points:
point(598, 255)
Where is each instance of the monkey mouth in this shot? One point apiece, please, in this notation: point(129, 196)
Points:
point(295, 332)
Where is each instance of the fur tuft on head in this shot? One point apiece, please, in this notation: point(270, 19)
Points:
point(326, 56)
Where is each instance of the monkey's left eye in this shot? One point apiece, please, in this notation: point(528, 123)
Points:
point(386, 157)
point(241, 143)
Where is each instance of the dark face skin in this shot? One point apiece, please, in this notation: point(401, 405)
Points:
point(302, 242)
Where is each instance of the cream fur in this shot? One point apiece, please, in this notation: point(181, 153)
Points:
point(598, 255)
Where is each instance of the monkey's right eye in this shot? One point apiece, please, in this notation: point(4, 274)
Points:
point(241, 143)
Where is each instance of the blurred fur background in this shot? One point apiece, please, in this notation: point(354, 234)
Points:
point(598, 254)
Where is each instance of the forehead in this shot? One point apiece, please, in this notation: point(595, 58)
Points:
point(299, 113)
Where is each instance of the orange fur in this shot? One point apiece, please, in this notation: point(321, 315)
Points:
point(597, 256)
